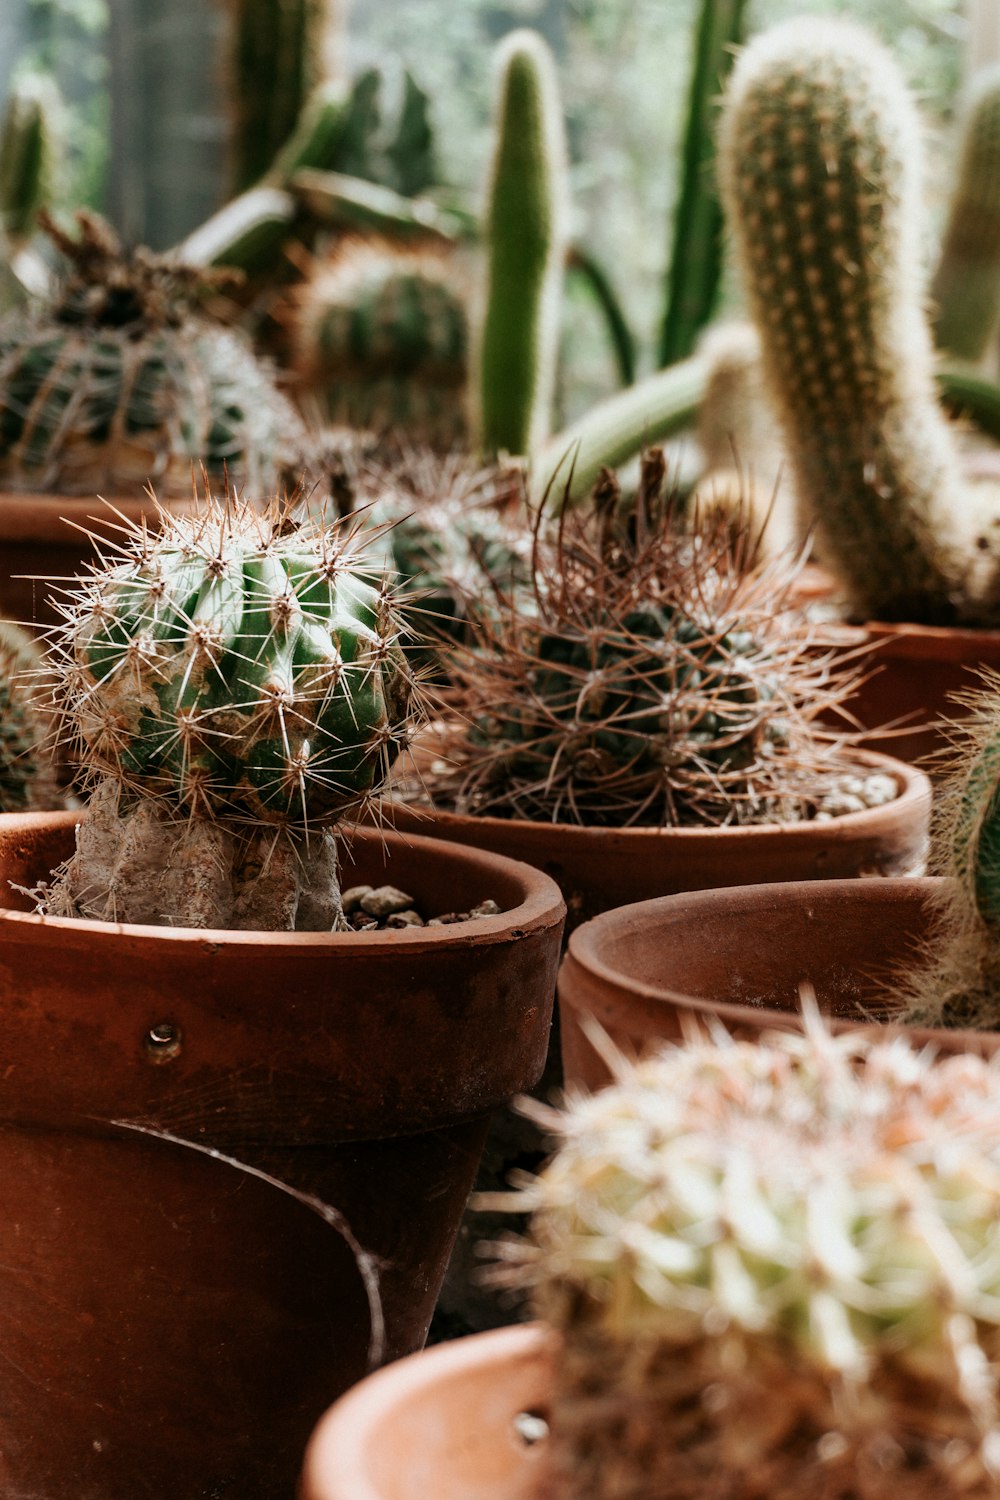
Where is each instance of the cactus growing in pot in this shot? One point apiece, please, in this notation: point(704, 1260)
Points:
point(122, 381)
point(771, 1269)
point(819, 163)
point(233, 685)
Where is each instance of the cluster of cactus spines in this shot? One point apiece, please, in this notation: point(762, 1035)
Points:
point(965, 290)
point(525, 238)
point(819, 156)
point(381, 333)
point(240, 683)
point(956, 980)
point(28, 776)
point(122, 380)
point(649, 679)
point(772, 1270)
point(29, 150)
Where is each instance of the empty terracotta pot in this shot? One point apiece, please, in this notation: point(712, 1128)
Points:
point(443, 1425)
point(601, 868)
point(741, 956)
point(232, 1164)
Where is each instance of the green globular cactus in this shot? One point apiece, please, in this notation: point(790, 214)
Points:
point(122, 380)
point(235, 686)
point(28, 777)
point(381, 333)
point(29, 152)
point(525, 238)
point(819, 163)
point(649, 681)
point(771, 1270)
point(965, 290)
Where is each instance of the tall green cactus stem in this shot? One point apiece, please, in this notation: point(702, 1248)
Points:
point(238, 683)
point(965, 291)
point(771, 1271)
point(525, 249)
point(696, 256)
point(29, 149)
point(566, 468)
point(819, 164)
point(28, 780)
point(123, 379)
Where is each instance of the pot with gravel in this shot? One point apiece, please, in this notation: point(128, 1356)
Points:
point(241, 1124)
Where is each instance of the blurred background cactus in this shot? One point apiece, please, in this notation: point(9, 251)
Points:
point(965, 290)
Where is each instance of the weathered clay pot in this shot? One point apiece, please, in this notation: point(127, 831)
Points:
point(740, 956)
point(233, 1164)
point(439, 1426)
point(601, 868)
point(44, 537)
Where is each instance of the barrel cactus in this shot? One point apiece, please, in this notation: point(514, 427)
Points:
point(234, 686)
point(771, 1271)
point(28, 776)
point(643, 679)
point(819, 155)
point(380, 333)
point(123, 381)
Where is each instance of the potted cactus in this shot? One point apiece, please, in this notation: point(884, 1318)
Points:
point(121, 380)
point(646, 720)
point(247, 1110)
point(761, 1270)
point(819, 159)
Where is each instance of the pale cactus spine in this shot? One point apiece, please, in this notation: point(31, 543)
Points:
point(236, 685)
point(819, 157)
point(525, 240)
point(965, 291)
point(770, 1269)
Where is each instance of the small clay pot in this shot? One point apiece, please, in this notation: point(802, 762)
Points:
point(233, 1163)
point(601, 868)
point(740, 956)
point(44, 539)
point(443, 1425)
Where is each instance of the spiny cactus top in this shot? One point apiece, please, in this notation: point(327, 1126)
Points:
point(122, 381)
point(239, 665)
point(773, 1269)
point(653, 680)
point(819, 156)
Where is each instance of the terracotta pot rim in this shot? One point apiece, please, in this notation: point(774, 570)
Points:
point(340, 1442)
point(913, 783)
point(50, 517)
point(584, 944)
point(821, 581)
point(540, 906)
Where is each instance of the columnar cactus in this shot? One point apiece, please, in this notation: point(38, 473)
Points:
point(28, 779)
point(965, 291)
point(819, 158)
point(772, 1271)
point(234, 685)
point(380, 331)
point(525, 239)
point(122, 381)
point(29, 148)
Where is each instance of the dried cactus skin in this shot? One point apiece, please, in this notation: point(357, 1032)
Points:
point(123, 381)
point(28, 779)
point(525, 236)
point(965, 291)
point(381, 333)
point(819, 155)
point(772, 1271)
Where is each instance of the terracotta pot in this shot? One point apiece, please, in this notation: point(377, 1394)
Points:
point(440, 1426)
point(225, 1157)
point(43, 537)
point(740, 956)
point(601, 868)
